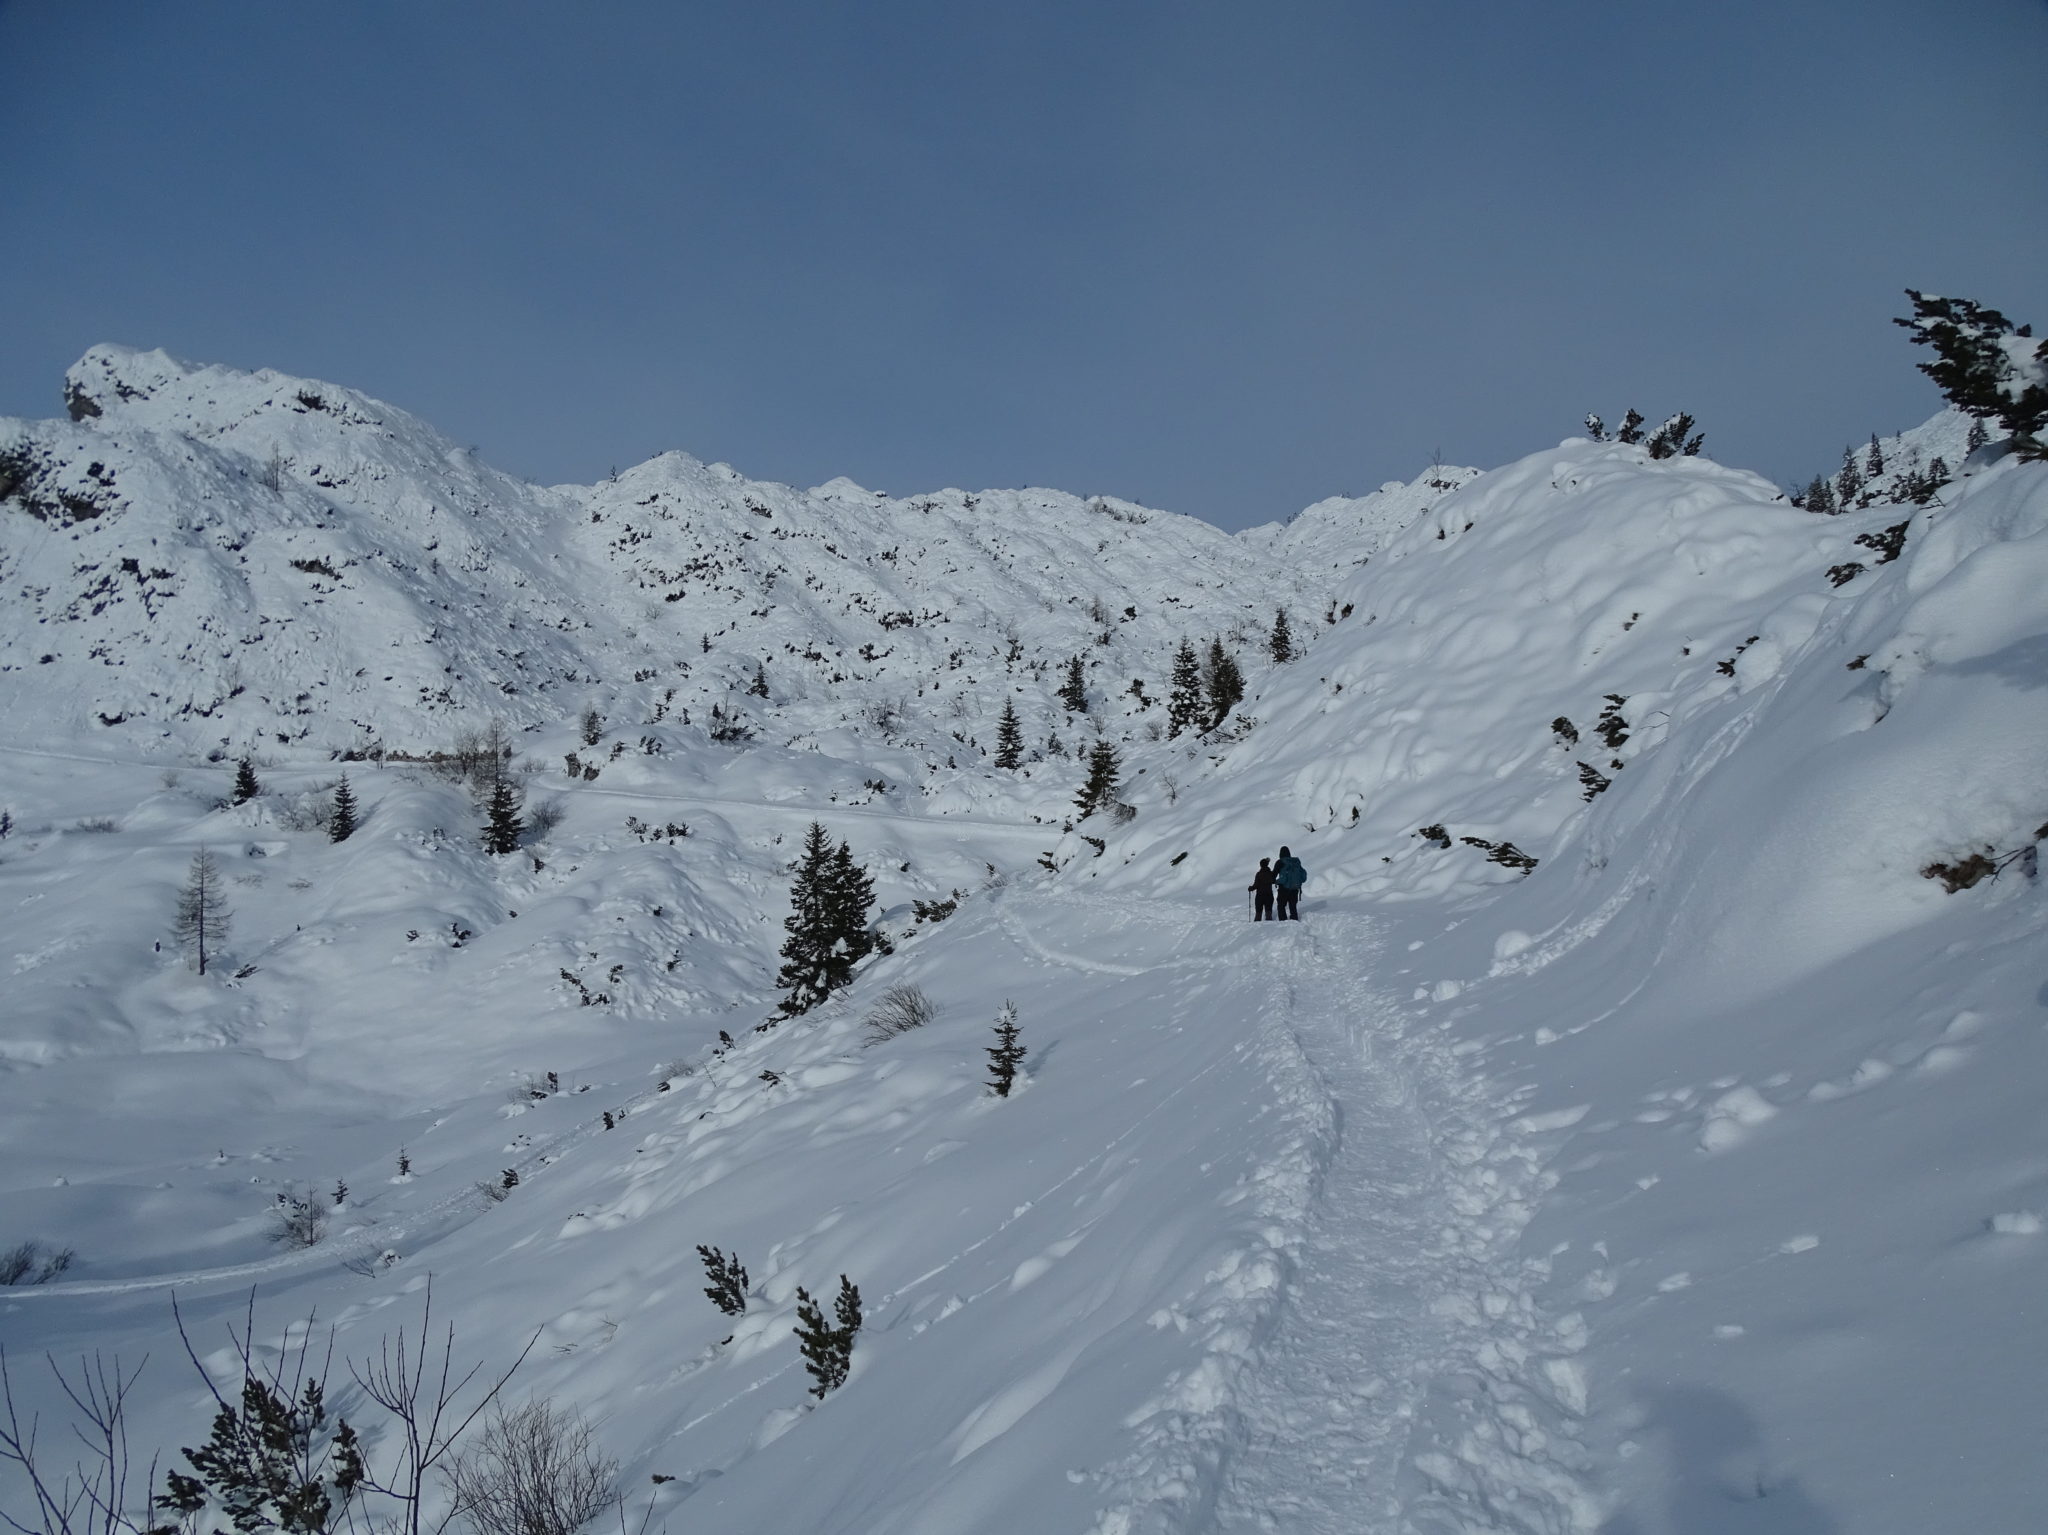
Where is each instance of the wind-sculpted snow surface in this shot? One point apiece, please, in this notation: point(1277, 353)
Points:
point(1649, 1148)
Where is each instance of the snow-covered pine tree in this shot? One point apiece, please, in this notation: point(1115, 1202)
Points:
point(1074, 691)
point(1281, 642)
point(1222, 684)
point(1105, 773)
point(246, 787)
point(1985, 365)
point(806, 975)
point(1009, 737)
point(502, 821)
point(1184, 692)
point(1596, 428)
point(1820, 496)
point(1979, 435)
point(849, 893)
point(591, 726)
point(1676, 437)
point(341, 820)
point(1873, 461)
point(759, 686)
point(202, 919)
point(1631, 428)
point(1006, 1054)
point(803, 977)
point(1848, 481)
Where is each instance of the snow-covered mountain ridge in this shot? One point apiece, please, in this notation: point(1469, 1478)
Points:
point(211, 555)
point(1663, 1161)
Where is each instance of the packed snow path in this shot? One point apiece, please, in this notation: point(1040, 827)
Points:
point(1403, 1377)
point(1387, 1398)
point(1328, 1413)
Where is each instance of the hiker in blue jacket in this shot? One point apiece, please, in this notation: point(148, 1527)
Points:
point(1289, 875)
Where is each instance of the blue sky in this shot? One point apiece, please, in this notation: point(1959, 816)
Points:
point(1226, 259)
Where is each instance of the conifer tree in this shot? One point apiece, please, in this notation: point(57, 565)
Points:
point(341, 822)
point(1184, 694)
point(1676, 437)
point(1006, 1054)
point(1820, 497)
point(1074, 691)
point(828, 1351)
point(1848, 481)
point(805, 977)
point(202, 917)
point(1596, 428)
point(246, 786)
point(1873, 461)
point(1979, 435)
point(1985, 365)
point(1009, 738)
point(1281, 643)
point(759, 686)
point(1631, 428)
point(503, 824)
point(828, 925)
point(1104, 777)
point(1222, 683)
point(849, 892)
point(728, 1276)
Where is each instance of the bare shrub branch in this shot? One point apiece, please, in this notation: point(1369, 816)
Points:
point(899, 1010)
point(532, 1471)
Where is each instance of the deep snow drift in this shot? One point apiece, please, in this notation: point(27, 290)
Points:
point(1687, 1180)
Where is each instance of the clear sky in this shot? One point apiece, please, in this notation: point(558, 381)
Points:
point(1226, 259)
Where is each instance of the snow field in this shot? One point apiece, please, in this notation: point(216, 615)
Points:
point(1688, 1181)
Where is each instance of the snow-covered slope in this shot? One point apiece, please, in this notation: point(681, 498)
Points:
point(211, 557)
point(1685, 1180)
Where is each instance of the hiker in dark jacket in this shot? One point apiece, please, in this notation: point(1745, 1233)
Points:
point(1289, 875)
point(1261, 888)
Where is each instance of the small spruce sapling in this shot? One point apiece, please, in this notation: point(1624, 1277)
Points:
point(591, 726)
point(1105, 773)
point(1223, 684)
point(1009, 737)
point(728, 1276)
point(1184, 692)
point(1074, 691)
point(270, 1462)
point(503, 825)
point(1281, 642)
point(341, 820)
point(1006, 1054)
point(246, 787)
point(828, 1350)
